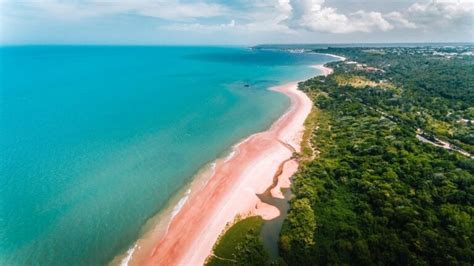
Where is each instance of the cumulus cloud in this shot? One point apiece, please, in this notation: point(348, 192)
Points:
point(250, 16)
point(313, 15)
point(290, 16)
point(400, 21)
point(442, 13)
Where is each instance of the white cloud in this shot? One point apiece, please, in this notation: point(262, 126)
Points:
point(254, 16)
point(231, 27)
point(312, 15)
point(181, 11)
point(267, 15)
point(399, 20)
point(248, 17)
point(201, 27)
point(316, 16)
point(442, 13)
point(290, 16)
point(170, 10)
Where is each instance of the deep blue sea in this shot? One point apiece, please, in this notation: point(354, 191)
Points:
point(94, 140)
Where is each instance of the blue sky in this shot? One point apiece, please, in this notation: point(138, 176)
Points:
point(234, 22)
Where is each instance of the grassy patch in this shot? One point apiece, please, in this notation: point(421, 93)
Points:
point(229, 249)
point(309, 125)
point(354, 81)
point(361, 82)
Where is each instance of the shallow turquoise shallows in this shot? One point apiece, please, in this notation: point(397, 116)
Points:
point(96, 139)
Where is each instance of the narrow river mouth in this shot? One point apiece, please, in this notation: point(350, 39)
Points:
point(270, 232)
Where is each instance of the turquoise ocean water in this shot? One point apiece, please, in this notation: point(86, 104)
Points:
point(94, 140)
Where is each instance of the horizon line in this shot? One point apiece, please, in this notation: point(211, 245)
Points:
point(235, 45)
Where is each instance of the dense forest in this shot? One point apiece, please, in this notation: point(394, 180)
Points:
point(432, 89)
point(386, 173)
point(375, 194)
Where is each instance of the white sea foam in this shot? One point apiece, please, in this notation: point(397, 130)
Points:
point(209, 174)
point(213, 168)
point(180, 204)
point(230, 156)
point(177, 208)
point(128, 256)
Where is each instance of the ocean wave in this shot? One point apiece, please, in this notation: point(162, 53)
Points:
point(230, 156)
point(128, 256)
point(211, 171)
point(177, 208)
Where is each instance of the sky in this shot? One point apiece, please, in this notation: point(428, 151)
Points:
point(234, 22)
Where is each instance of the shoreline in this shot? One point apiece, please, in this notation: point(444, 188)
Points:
point(338, 57)
point(155, 231)
point(231, 189)
point(326, 70)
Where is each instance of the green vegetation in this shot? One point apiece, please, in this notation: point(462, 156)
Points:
point(434, 92)
point(375, 194)
point(240, 245)
point(307, 151)
point(376, 184)
point(359, 82)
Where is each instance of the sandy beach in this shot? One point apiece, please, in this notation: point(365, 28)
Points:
point(231, 190)
point(185, 232)
point(326, 70)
